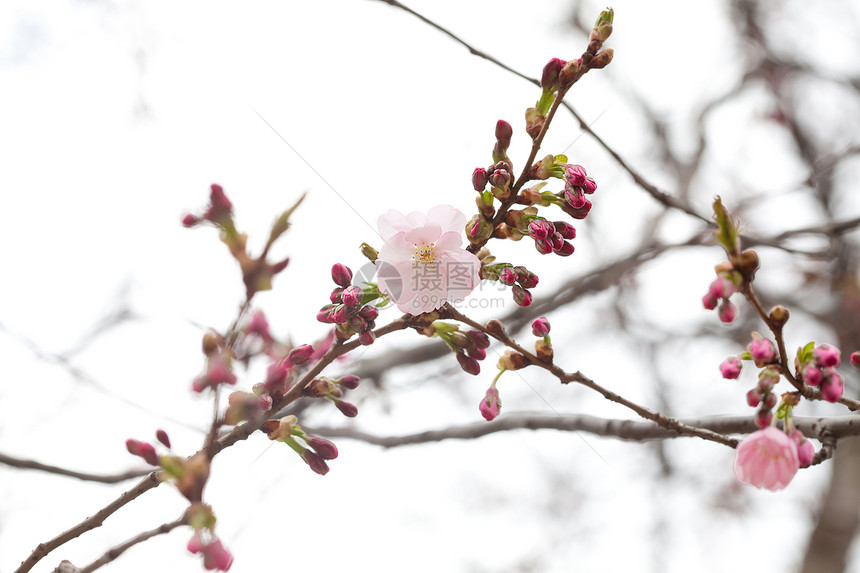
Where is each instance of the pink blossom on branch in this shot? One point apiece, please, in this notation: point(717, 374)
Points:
point(216, 557)
point(422, 266)
point(731, 368)
point(491, 404)
point(767, 459)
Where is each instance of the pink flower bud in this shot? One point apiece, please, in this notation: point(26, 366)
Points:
point(468, 364)
point(827, 356)
point(521, 296)
point(504, 131)
point(325, 313)
point(526, 278)
point(710, 302)
point(540, 229)
point(731, 368)
point(762, 350)
point(769, 400)
point(543, 246)
point(575, 175)
point(190, 220)
point(300, 354)
point(478, 338)
point(326, 449)
point(347, 409)
point(549, 77)
point(855, 359)
point(763, 417)
point(507, 276)
point(589, 186)
point(216, 557)
point(366, 337)
point(338, 314)
point(163, 438)
point(565, 250)
point(722, 288)
point(491, 404)
point(368, 313)
point(315, 462)
point(479, 179)
point(832, 385)
point(578, 206)
point(767, 459)
point(567, 230)
point(143, 450)
point(350, 381)
point(812, 375)
point(476, 353)
point(352, 296)
point(341, 275)
point(540, 327)
point(754, 397)
point(805, 449)
point(220, 207)
point(501, 178)
point(727, 312)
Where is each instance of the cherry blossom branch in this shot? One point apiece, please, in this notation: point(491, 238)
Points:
point(243, 431)
point(578, 377)
point(22, 463)
point(115, 552)
point(96, 520)
point(827, 429)
point(805, 390)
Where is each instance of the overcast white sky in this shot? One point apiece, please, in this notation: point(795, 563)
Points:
point(114, 119)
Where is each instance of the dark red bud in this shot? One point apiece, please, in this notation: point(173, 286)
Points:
point(162, 437)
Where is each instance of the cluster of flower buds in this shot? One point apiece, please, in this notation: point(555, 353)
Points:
point(521, 279)
point(552, 237)
point(470, 347)
point(219, 369)
point(204, 541)
point(736, 273)
point(763, 352)
point(559, 75)
point(219, 211)
point(146, 450)
point(816, 366)
point(718, 294)
point(257, 273)
point(216, 557)
point(334, 390)
point(313, 450)
point(577, 184)
point(349, 309)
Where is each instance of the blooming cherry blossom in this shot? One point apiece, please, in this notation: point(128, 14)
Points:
point(767, 459)
point(422, 266)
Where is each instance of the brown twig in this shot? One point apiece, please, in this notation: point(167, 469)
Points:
point(631, 430)
point(22, 463)
point(96, 520)
point(115, 552)
point(578, 377)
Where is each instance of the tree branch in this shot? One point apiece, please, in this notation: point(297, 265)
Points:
point(630, 430)
point(120, 549)
point(96, 520)
point(22, 463)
